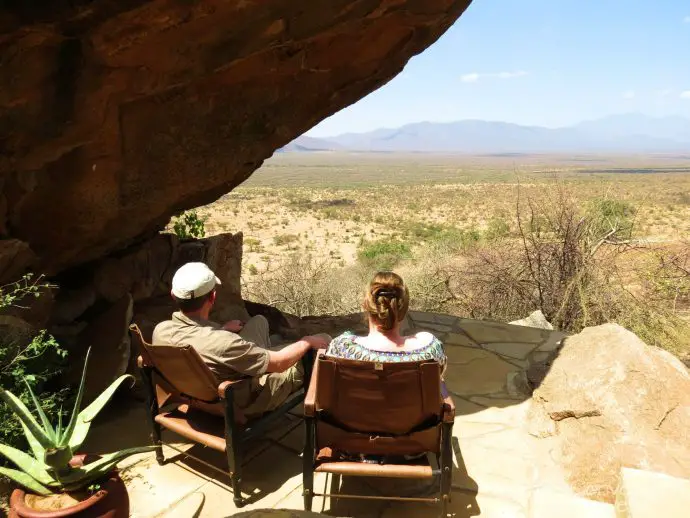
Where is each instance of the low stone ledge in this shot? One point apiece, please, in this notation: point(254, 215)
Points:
point(648, 494)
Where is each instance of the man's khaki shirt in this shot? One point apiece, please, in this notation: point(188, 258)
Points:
point(227, 354)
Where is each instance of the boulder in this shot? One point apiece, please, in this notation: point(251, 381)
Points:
point(109, 339)
point(16, 259)
point(142, 271)
point(114, 116)
point(611, 401)
point(15, 334)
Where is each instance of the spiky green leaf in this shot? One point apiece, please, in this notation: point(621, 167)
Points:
point(25, 480)
point(79, 477)
point(35, 446)
point(65, 439)
point(32, 467)
point(25, 416)
point(58, 430)
point(90, 412)
point(47, 427)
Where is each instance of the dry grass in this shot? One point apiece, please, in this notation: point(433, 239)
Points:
point(322, 210)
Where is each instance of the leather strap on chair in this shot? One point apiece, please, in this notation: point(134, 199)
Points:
point(326, 393)
point(429, 375)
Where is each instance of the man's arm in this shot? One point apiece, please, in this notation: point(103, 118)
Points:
point(280, 361)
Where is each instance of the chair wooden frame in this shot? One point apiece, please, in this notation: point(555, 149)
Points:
point(236, 429)
point(314, 413)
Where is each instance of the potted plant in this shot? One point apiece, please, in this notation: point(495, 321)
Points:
point(56, 481)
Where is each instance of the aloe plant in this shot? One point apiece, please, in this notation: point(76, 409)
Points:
point(53, 447)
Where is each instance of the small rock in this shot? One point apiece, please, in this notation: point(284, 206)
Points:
point(535, 319)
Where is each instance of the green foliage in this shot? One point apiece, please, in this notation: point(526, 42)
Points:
point(253, 244)
point(53, 446)
point(497, 228)
point(383, 254)
point(34, 366)
point(189, 225)
point(611, 219)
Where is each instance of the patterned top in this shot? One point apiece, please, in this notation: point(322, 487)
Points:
point(346, 346)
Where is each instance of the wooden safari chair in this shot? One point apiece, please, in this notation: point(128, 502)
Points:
point(385, 410)
point(184, 396)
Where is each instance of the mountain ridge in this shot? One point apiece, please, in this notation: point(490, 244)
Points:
point(614, 133)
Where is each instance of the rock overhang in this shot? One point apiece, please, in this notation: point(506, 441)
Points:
point(115, 117)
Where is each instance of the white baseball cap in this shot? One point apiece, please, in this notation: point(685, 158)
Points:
point(193, 280)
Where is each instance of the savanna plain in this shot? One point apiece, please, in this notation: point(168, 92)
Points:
point(585, 239)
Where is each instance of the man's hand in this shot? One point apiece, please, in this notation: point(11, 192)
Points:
point(316, 342)
point(234, 325)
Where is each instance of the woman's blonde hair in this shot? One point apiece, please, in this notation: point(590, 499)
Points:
point(386, 300)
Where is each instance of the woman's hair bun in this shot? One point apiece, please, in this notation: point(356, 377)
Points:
point(386, 300)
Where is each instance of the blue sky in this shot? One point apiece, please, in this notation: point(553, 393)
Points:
point(542, 62)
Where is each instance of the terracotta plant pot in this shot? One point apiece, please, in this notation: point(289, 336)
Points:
point(110, 501)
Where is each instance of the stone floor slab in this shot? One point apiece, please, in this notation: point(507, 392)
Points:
point(267, 479)
point(153, 488)
point(550, 504)
point(515, 350)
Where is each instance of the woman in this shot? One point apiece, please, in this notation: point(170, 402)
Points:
point(386, 303)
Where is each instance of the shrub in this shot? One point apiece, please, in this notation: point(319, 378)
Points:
point(39, 363)
point(303, 286)
point(253, 244)
point(611, 218)
point(189, 225)
point(383, 254)
point(285, 239)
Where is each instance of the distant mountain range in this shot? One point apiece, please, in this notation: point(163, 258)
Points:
point(615, 133)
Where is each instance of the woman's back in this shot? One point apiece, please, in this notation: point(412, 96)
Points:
point(420, 347)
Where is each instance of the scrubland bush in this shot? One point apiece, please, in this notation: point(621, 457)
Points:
point(303, 285)
point(383, 254)
point(572, 260)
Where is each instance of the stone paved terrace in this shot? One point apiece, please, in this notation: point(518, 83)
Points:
point(500, 469)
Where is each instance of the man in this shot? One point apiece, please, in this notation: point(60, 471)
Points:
point(236, 348)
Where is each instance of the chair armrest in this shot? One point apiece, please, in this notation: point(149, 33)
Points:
point(310, 398)
point(448, 405)
point(224, 386)
point(141, 362)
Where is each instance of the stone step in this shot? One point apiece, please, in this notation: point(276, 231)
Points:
point(549, 504)
point(647, 494)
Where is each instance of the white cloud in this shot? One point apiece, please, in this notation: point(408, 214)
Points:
point(473, 77)
point(685, 94)
point(630, 94)
point(469, 78)
point(686, 19)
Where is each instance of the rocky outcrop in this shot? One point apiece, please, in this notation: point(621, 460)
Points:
point(116, 115)
point(96, 303)
point(610, 401)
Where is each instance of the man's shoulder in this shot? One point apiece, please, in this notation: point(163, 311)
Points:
point(161, 332)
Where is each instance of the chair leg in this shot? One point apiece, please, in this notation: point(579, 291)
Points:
point(233, 448)
point(151, 412)
point(446, 466)
point(308, 463)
